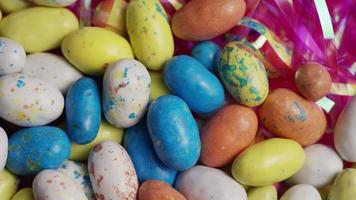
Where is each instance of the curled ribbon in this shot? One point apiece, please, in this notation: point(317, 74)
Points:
point(85, 13)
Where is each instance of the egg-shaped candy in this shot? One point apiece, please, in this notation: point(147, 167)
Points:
point(150, 34)
point(55, 3)
point(208, 54)
point(52, 185)
point(13, 5)
point(126, 91)
point(78, 172)
point(174, 132)
point(39, 29)
point(139, 145)
point(107, 132)
point(344, 132)
point(3, 148)
point(301, 191)
point(83, 111)
point(288, 115)
point(28, 101)
point(344, 186)
point(53, 69)
point(243, 73)
point(199, 88)
point(112, 173)
point(321, 166)
point(34, 149)
point(8, 184)
point(268, 162)
point(262, 193)
point(24, 194)
point(227, 133)
point(92, 49)
point(158, 87)
point(12, 56)
point(201, 183)
point(154, 189)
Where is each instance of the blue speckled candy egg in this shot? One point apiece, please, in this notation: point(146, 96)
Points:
point(208, 54)
point(198, 87)
point(12, 56)
point(174, 132)
point(34, 149)
point(83, 111)
point(139, 145)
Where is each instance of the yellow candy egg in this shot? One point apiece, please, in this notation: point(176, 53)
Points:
point(158, 87)
point(344, 187)
point(24, 194)
point(39, 29)
point(150, 33)
point(92, 49)
point(262, 193)
point(9, 6)
point(268, 162)
point(8, 184)
point(106, 132)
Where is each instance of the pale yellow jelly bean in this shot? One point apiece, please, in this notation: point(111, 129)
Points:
point(8, 6)
point(344, 187)
point(8, 185)
point(106, 132)
point(158, 87)
point(268, 162)
point(39, 29)
point(24, 194)
point(262, 193)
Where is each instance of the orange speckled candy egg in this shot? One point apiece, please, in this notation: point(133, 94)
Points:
point(228, 132)
point(313, 80)
point(158, 190)
point(288, 115)
point(205, 19)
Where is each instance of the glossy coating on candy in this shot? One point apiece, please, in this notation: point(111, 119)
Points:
point(313, 80)
point(268, 162)
point(126, 91)
point(34, 149)
point(321, 166)
point(344, 187)
point(154, 189)
point(8, 184)
point(262, 193)
point(139, 145)
point(226, 134)
point(243, 73)
point(54, 3)
point(52, 24)
point(83, 111)
point(53, 69)
point(28, 101)
point(92, 49)
point(344, 132)
point(208, 54)
point(78, 172)
point(12, 56)
point(3, 148)
point(158, 87)
point(174, 132)
point(13, 5)
point(150, 34)
point(201, 183)
point(112, 173)
point(205, 19)
point(24, 194)
point(199, 88)
point(107, 132)
point(301, 191)
point(53, 185)
point(288, 115)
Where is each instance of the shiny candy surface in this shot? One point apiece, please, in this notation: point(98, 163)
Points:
point(12, 56)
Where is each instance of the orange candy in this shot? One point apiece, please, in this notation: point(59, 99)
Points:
point(158, 190)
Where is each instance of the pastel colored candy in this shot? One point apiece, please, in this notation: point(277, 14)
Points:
point(83, 111)
point(139, 145)
point(3, 148)
point(262, 193)
point(301, 191)
point(14, 5)
point(199, 88)
point(174, 132)
point(24, 194)
point(208, 54)
point(344, 186)
point(54, 3)
point(158, 87)
point(8, 184)
point(154, 189)
point(12, 56)
point(126, 91)
point(34, 149)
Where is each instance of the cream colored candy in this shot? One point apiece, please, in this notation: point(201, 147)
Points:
point(12, 56)
point(301, 192)
point(3, 148)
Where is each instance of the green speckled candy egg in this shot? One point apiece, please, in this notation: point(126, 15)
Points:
point(243, 74)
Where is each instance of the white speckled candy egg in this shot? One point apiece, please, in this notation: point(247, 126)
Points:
point(27, 101)
point(321, 166)
point(12, 56)
point(79, 174)
point(301, 192)
point(53, 69)
point(53, 185)
point(126, 92)
point(202, 183)
point(3, 148)
point(112, 173)
point(54, 3)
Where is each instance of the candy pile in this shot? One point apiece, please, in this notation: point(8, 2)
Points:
point(172, 100)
